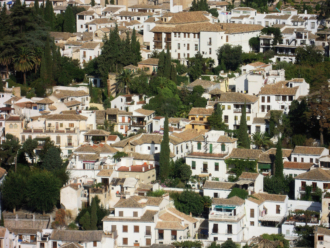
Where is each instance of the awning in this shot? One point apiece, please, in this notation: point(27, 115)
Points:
point(203, 175)
point(271, 218)
point(264, 166)
point(10, 2)
point(225, 207)
point(243, 182)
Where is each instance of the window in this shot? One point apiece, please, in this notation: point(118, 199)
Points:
point(184, 35)
point(229, 107)
point(210, 50)
point(226, 118)
point(311, 160)
point(71, 124)
point(54, 243)
point(173, 235)
point(262, 108)
point(121, 213)
point(193, 165)
point(148, 241)
point(290, 98)
point(278, 209)
point(199, 146)
point(223, 147)
point(215, 228)
point(326, 186)
point(148, 230)
point(174, 34)
point(125, 229)
point(149, 148)
point(268, 98)
point(263, 99)
point(215, 195)
point(178, 55)
point(216, 166)
point(136, 229)
point(282, 106)
point(320, 238)
point(302, 160)
point(196, 47)
point(23, 138)
point(135, 214)
point(125, 241)
point(295, 159)
point(94, 243)
point(229, 229)
point(314, 185)
point(161, 234)
point(236, 117)
point(248, 118)
point(58, 139)
point(283, 98)
point(42, 245)
point(188, 55)
point(188, 46)
point(178, 46)
point(179, 34)
point(188, 35)
point(258, 129)
point(251, 213)
point(277, 98)
point(251, 223)
point(113, 228)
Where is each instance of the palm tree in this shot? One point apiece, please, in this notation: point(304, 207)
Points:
point(261, 140)
point(24, 61)
point(37, 58)
point(124, 81)
point(6, 57)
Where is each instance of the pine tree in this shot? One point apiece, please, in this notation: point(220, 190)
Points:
point(279, 160)
point(164, 158)
point(167, 69)
point(36, 6)
point(173, 74)
point(161, 64)
point(92, 3)
point(215, 120)
point(94, 215)
point(69, 21)
point(243, 137)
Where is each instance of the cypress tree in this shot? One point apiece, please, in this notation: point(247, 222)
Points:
point(161, 64)
point(49, 14)
point(135, 44)
point(92, 3)
point(167, 69)
point(36, 6)
point(128, 56)
point(43, 69)
point(164, 158)
point(18, 3)
point(49, 62)
point(279, 160)
point(112, 2)
point(69, 21)
point(243, 137)
point(94, 215)
point(173, 74)
point(106, 2)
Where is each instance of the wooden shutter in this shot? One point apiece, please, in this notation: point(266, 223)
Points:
point(125, 241)
point(215, 228)
point(278, 211)
point(230, 229)
point(121, 213)
point(125, 229)
point(148, 241)
point(113, 228)
point(136, 229)
point(251, 213)
point(135, 214)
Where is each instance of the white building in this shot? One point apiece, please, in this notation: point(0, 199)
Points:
point(296, 168)
point(89, 51)
point(83, 18)
point(308, 154)
point(129, 102)
point(215, 189)
point(142, 119)
point(70, 198)
point(321, 237)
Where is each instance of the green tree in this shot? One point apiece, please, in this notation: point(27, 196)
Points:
point(167, 69)
point(228, 244)
point(241, 193)
point(24, 61)
point(49, 14)
point(44, 191)
point(36, 6)
point(161, 64)
point(230, 56)
point(106, 2)
point(215, 120)
point(276, 32)
point(28, 148)
point(93, 216)
point(174, 74)
point(279, 160)
point(135, 48)
point(306, 236)
point(8, 151)
point(308, 55)
point(92, 3)
point(164, 159)
point(112, 2)
point(52, 160)
point(69, 21)
point(13, 190)
point(185, 172)
point(119, 155)
point(124, 81)
point(85, 221)
point(196, 66)
point(254, 43)
point(189, 202)
point(243, 137)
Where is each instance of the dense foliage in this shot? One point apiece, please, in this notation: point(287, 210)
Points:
point(191, 202)
point(241, 193)
point(229, 57)
point(164, 158)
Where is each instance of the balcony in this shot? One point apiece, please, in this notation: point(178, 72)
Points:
point(239, 110)
point(138, 123)
point(167, 39)
point(69, 144)
point(265, 44)
point(224, 216)
point(157, 39)
point(204, 171)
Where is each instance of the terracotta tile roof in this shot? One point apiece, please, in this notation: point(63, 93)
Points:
point(96, 148)
point(172, 225)
point(147, 139)
point(216, 92)
point(74, 43)
point(13, 118)
point(150, 19)
point(226, 139)
point(322, 230)
point(308, 150)
point(137, 168)
point(89, 157)
point(69, 93)
point(112, 137)
point(262, 197)
point(235, 200)
point(139, 202)
point(204, 83)
point(249, 175)
point(315, 174)
point(168, 217)
point(69, 112)
point(244, 8)
point(61, 35)
point(98, 132)
point(148, 216)
point(297, 18)
point(257, 64)
point(105, 173)
point(186, 135)
point(218, 185)
point(140, 156)
point(278, 17)
point(89, 12)
point(245, 153)
point(66, 117)
point(91, 45)
point(145, 112)
point(236, 97)
point(279, 88)
point(297, 165)
point(100, 21)
point(45, 100)
point(150, 61)
point(258, 120)
point(24, 230)
point(12, 100)
point(207, 155)
point(25, 104)
point(241, 17)
point(76, 236)
point(145, 6)
point(217, 3)
point(72, 103)
point(200, 111)
point(159, 118)
point(111, 9)
point(182, 215)
point(71, 245)
point(187, 17)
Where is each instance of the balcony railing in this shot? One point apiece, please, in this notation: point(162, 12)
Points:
point(157, 39)
point(69, 144)
point(265, 44)
point(204, 171)
point(138, 123)
point(167, 39)
point(220, 216)
point(240, 110)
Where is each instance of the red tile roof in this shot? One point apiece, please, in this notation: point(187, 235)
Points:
point(112, 137)
point(136, 168)
point(297, 165)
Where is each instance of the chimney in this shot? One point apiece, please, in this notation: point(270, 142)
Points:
point(143, 169)
point(190, 214)
point(130, 168)
point(305, 11)
point(149, 167)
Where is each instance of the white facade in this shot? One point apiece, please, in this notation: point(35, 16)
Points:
point(83, 18)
